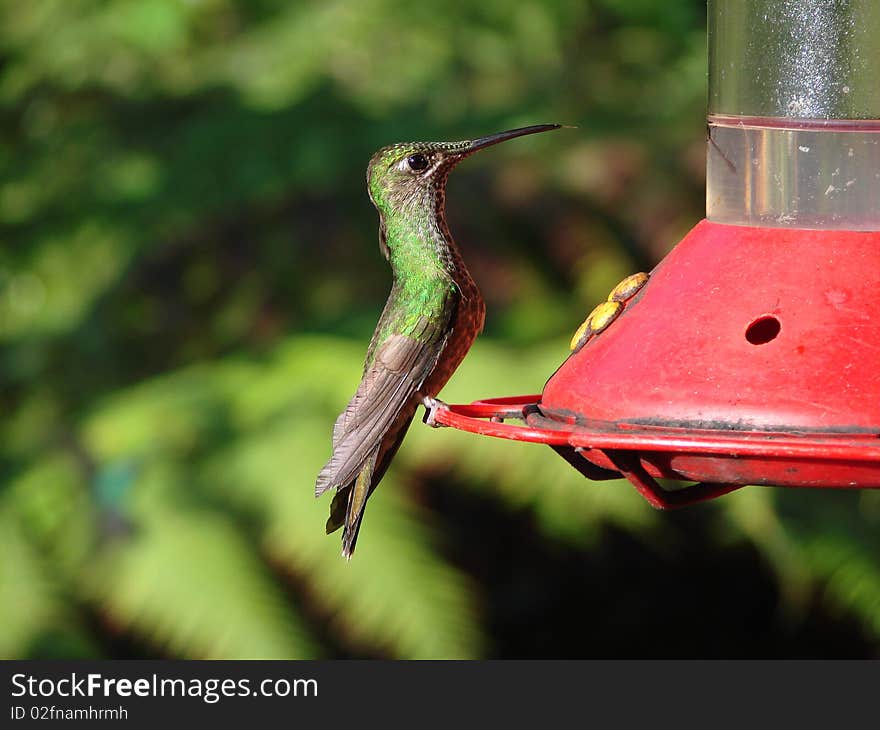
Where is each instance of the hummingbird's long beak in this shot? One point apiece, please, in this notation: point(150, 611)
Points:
point(491, 139)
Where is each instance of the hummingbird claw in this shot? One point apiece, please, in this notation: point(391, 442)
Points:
point(431, 407)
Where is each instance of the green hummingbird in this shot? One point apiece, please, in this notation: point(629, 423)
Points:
point(432, 316)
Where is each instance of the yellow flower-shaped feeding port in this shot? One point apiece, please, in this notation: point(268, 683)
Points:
point(628, 288)
point(599, 319)
point(581, 335)
point(604, 314)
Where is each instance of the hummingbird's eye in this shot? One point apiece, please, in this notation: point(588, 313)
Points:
point(417, 162)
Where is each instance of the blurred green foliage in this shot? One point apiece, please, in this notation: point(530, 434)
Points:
point(189, 278)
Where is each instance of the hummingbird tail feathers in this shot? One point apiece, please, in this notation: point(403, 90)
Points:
point(357, 502)
point(348, 506)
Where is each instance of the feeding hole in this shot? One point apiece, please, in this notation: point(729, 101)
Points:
point(762, 330)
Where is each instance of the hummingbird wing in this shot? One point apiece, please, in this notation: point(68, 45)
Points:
point(400, 365)
point(368, 432)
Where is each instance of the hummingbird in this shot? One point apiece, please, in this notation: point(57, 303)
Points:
point(432, 317)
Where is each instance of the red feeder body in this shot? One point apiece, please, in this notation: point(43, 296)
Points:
point(749, 357)
point(740, 329)
point(784, 390)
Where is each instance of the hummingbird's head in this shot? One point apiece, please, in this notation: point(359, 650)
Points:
point(412, 175)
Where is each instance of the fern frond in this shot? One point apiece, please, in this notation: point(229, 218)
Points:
point(191, 584)
point(397, 594)
point(30, 604)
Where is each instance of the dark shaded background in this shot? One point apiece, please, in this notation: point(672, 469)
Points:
point(188, 282)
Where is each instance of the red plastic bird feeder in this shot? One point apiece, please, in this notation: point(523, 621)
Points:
point(750, 356)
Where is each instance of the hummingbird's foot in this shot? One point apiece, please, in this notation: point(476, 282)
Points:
point(431, 406)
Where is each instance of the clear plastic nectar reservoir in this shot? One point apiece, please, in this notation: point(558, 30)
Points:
point(794, 114)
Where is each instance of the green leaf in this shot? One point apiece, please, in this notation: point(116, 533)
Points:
point(396, 595)
point(30, 604)
point(191, 584)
